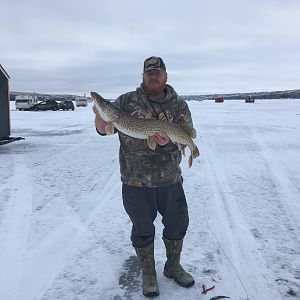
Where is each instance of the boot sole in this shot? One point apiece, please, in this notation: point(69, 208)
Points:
point(168, 275)
point(151, 294)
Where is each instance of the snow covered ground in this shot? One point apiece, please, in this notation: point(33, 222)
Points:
point(65, 235)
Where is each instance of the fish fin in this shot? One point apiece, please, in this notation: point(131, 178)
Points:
point(190, 161)
point(189, 130)
point(182, 147)
point(151, 143)
point(195, 152)
point(109, 128)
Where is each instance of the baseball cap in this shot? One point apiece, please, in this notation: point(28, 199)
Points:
point(154, 63)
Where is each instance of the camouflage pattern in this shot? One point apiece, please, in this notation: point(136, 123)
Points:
point(147, 262)
point(139, 165)
point(154, 63)
point(173, 268)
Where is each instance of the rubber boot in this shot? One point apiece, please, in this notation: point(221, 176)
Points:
point(146, 259)
point(173, 268)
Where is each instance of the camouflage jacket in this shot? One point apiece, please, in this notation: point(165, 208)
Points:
point(139, 165)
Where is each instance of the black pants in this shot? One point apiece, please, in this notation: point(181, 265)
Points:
point(142, 205)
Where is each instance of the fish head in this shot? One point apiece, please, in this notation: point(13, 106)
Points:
point(106, 109)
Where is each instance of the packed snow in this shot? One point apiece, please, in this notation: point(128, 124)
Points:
point(64, 233)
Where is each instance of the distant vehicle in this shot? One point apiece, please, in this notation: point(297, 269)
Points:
point(25, 102)
point(249, 99)
point(90, 99)
point(46, 105)
point(66, 105)
point(81, 101)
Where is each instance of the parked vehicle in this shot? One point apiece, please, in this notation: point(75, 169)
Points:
point(66, 105)
point(46, 105)
point(249, 99)
point(81, 101)
point(25, 102)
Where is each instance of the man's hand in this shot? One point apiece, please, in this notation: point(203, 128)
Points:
point(161, 139)
point(100, 124)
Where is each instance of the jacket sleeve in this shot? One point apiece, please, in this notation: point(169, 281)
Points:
point(185, 116)
point(120, 102)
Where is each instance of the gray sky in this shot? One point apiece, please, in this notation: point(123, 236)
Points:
point(213, 46)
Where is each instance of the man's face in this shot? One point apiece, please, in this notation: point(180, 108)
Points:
point(154, 82)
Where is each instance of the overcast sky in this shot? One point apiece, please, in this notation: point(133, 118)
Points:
point(213, 46)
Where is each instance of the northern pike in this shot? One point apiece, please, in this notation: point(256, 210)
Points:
point(142, 128)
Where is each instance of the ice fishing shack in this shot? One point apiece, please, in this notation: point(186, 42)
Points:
point(4, 109)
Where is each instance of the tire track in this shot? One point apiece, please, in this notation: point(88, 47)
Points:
point(288, 193)
point(55, 251)
point(233, 233)
point(15, 228)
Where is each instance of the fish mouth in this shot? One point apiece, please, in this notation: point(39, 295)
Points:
point(94, 95)
point(98, 98)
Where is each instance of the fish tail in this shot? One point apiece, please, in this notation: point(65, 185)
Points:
point(190, 162)
point(195, 152)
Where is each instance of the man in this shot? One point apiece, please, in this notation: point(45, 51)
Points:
point(152, 179)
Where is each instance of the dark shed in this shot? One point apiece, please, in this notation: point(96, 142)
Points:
point(4, 109)
point(4, 105)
